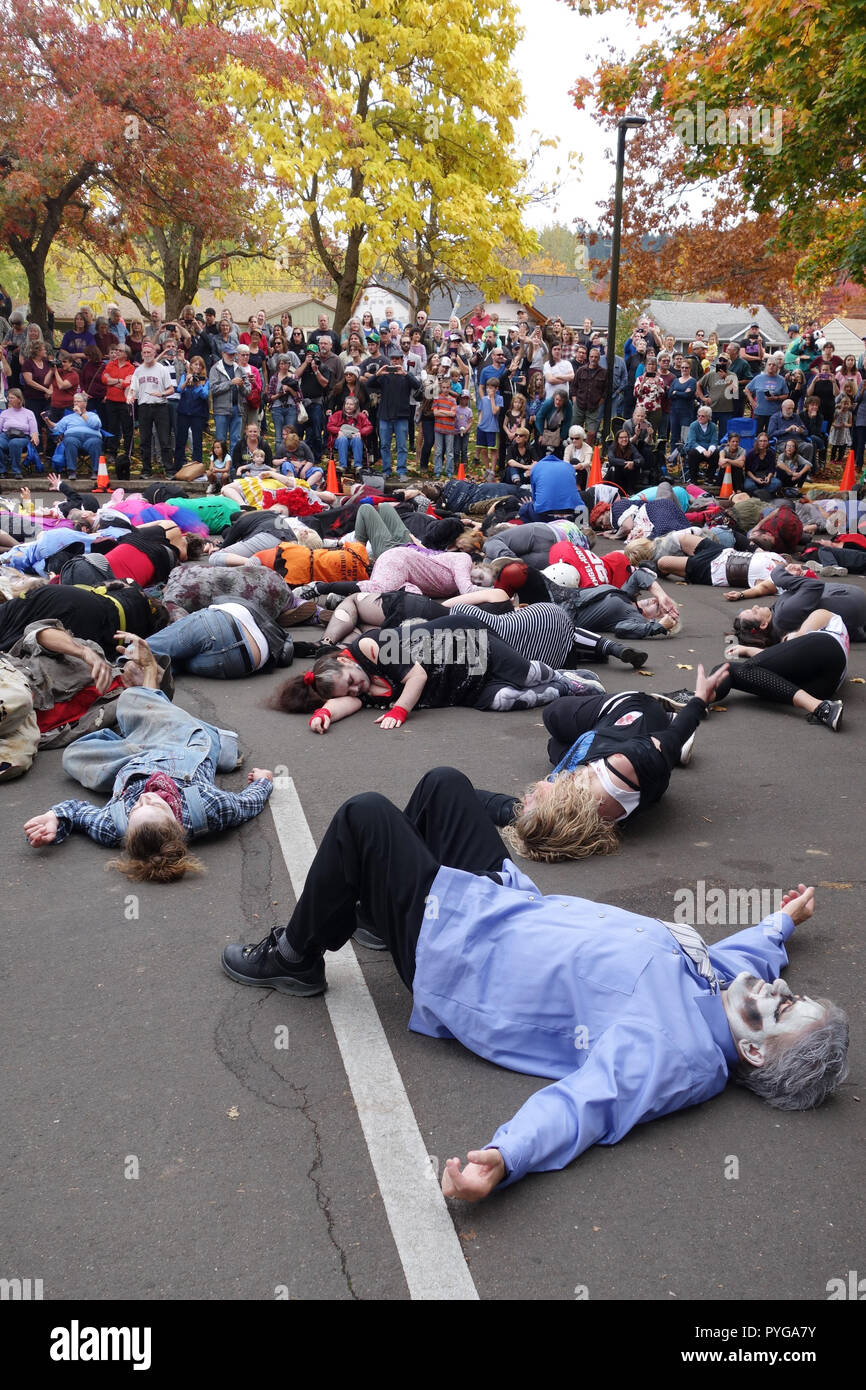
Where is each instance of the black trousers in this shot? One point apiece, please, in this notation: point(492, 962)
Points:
point(814, 662)
point(381, 862)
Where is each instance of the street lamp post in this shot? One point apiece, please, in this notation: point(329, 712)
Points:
point(623, 124)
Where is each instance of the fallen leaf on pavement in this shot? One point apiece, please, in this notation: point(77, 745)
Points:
point(233, 1112)
point(827, 883)
point(684, 666)
point(644, 673)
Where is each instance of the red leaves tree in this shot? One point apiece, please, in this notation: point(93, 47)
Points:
point(105, 137)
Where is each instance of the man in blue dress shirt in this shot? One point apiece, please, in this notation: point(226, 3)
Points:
point(629, 1016)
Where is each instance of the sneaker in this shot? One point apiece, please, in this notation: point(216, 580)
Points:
point(331, 601)
point(673, 699)
point(832, 571)
point(583, 682)
point(307, 591)
point(829, 713)
point(262, 964)
point(369, 939)
point(687, 750)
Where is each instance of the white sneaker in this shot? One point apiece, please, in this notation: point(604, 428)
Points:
point(687, 750)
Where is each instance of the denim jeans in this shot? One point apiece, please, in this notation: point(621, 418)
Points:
point(90, 443)
point(772, 486)
point(228, 424)
point(14, 449)
point(355, 445)
point(399, 430)
point(283, 415)
point(205, 644)
point(444, 444)
point(313, 431)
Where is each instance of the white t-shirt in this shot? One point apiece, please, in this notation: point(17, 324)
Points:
point(150, 383)
point(245, 618)
point(761, 565)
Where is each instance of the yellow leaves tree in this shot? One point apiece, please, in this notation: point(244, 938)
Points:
point(426, 184)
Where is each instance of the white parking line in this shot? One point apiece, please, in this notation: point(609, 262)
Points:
point(426, 1241)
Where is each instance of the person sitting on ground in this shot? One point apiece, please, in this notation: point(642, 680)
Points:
point(613, 757)
point(792, 467)
point(160, 775)
point(625, 463)
point(669, 1020)
point(761, 467)
point(733, 456)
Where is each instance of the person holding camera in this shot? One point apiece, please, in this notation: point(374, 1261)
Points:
point(227, 387)
point(395, 386)
point(318, 372)
point(283, 394)
point(192, 412)
point(116, 377)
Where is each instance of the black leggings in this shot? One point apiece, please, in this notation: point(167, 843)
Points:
point(814, 662)
point(381, 862)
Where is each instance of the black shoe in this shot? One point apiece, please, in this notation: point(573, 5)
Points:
point(262, 964)
point(674, 699)
point(632, 657)
point(369, 939)
point(829, 713)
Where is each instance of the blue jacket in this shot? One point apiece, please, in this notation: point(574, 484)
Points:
point(554, 485)
point(702, 437)
point(601, 1000)
point(194, 403)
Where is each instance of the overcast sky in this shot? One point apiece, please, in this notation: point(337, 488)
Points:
point(560, 46)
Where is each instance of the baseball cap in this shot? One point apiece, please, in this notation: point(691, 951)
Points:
point(793, 328)
point(444, 362)
point(228, 349)
point(373, 338)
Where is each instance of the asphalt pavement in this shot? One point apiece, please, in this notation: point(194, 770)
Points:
point(159, 1144)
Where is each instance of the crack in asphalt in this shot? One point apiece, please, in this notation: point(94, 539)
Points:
point(236, 1049)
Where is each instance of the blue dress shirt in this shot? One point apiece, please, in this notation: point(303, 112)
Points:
point(601, 1000)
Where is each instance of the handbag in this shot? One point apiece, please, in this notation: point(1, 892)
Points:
point(303, 417)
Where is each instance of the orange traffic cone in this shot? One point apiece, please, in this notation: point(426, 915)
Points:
point(331, 484)
point(848, 482)
point(595, 470)
point(461, 472)
point(727, 488)
point(102, 482)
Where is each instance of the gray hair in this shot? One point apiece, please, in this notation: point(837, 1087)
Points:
point(804, 1073)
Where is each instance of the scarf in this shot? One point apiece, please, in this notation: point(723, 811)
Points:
point(167, 788)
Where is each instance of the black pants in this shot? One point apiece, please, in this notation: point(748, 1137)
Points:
point(814, 662)
point(428, 425)
point(118, 422)
point(381, 862)
point(154, 419)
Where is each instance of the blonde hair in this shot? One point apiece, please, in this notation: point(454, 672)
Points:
point(156, 853)
point(565, 825)
point(639, 551)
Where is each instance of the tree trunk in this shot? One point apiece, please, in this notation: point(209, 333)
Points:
point(348, 281)
point(33, 265)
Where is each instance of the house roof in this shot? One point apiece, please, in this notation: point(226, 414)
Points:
point(683, 318)
point(846, 334)
point(562, 295)
point(240, 303)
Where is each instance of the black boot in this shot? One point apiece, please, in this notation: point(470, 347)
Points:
point(629, 655)
point(266, 965)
